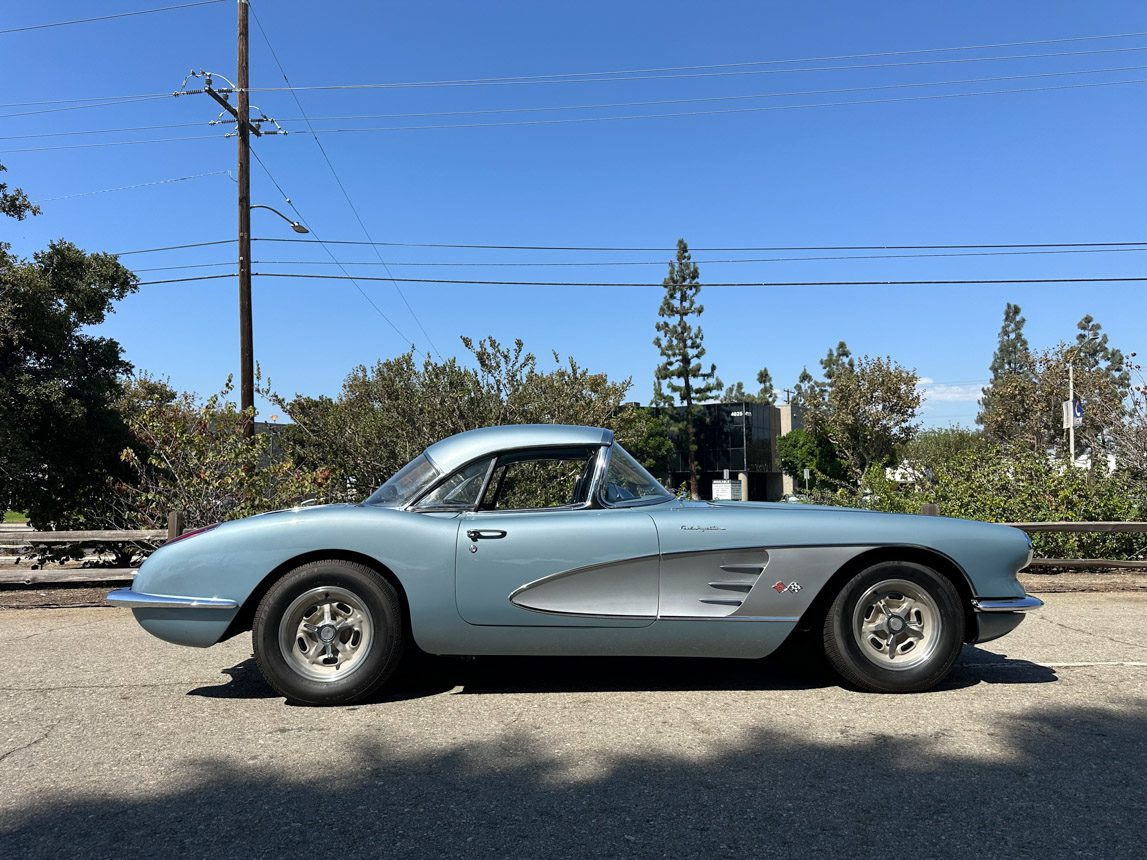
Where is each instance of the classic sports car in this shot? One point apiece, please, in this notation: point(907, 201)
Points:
point(552, 540)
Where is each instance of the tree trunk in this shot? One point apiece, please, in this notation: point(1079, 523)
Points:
point(694, 489)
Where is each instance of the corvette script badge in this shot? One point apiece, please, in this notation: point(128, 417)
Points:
point(781, 588)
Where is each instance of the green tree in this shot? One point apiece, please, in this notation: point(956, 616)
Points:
point(192, 455)
point(810, 393)
point(736, 393)
point(932, 449)
point(679, 377)
point(836, 361)
point(60, 431)
point(800, 449)
point(1013, 374)
point(805, 391)
point(1013, 484)
point(866, 408)
point(386, 414)
point(645, 433)
point(15, 203)
point(1125, 423)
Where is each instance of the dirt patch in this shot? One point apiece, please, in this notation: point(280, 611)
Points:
point(53, 598)
point(1083, 580)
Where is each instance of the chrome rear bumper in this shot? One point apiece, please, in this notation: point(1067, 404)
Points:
point(1007, 604)
point(139, 600)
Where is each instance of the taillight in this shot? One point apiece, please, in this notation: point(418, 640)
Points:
point(191, 533)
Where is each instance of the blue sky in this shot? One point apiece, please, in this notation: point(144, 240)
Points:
point(1054, 166)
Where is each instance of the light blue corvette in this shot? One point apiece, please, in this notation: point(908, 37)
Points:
point(552, 540)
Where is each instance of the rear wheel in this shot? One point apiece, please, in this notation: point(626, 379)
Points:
point(328, 633)
point(896, 627)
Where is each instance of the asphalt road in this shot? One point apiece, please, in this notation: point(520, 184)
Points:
point(113, 744)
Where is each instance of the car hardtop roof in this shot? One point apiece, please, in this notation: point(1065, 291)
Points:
point(458, 450)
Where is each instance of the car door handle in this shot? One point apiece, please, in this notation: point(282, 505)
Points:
point(485, 534)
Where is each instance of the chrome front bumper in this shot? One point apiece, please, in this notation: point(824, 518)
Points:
point(1007, 604)
point(138, 600)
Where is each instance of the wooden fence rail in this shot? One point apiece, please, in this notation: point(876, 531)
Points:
point(88, 538)
point(1080, 528)
point(20, 538)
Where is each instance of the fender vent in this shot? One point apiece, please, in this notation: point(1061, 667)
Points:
point(747, 569)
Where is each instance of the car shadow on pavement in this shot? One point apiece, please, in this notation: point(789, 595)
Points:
point(1044, 781)
point(793, 667)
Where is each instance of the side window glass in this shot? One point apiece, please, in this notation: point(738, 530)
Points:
point(548, 480)
point(627, 481)
point(460, 490)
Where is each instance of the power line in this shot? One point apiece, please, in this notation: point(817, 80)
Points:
point(621, 249)
point(191, 266)
point(175, 247)
point(863, 56)
point(874, 283)
point(897, 283)
point(605, 105)
point(551, 264)
point(94, 104)
point(694, 100)
point(614, 283)
point(102, 130)
point(339, 182)
point(87, 99)
point(711, 249)
point(625, 76)
point(564, 263)
point(1102, 36)
point(348, 275)
point(108, 17)
point(617, 118)
point(137, 185)
point(716, 112)
point(114, 143)
point(188, 280)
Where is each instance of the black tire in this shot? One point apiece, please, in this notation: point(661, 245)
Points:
point(332, 583)
point(868, 660)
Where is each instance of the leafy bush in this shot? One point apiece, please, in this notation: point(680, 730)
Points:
point(191, 455)
point(995, 484)
point(385, 415)
point(1017, 485)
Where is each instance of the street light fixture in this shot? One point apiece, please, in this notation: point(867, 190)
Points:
point(295, 225)
point(246, 348)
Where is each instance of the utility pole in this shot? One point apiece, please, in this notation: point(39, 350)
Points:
point(244, 128)
point(243, 131)
point(243, 118)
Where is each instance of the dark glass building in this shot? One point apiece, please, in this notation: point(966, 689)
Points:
point(738, 437)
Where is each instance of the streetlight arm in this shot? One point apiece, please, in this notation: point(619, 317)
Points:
point(295, 225)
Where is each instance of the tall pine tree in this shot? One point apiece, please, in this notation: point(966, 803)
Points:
point(679, 377)
point(1013, 368)
point(736, 392)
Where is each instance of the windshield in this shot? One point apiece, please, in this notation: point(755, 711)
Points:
point(405, 484)
point(626, 481)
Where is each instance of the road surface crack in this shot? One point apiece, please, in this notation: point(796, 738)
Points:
point(46, 632)
point(30, 744)
point(1063, 626)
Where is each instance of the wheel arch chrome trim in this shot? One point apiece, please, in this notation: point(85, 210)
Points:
point(140, 600)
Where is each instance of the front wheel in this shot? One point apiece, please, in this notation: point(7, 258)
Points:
point(328, 633)
point(896, 627)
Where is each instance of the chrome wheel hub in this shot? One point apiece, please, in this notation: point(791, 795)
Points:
point(897, 624)
point(326, 633)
